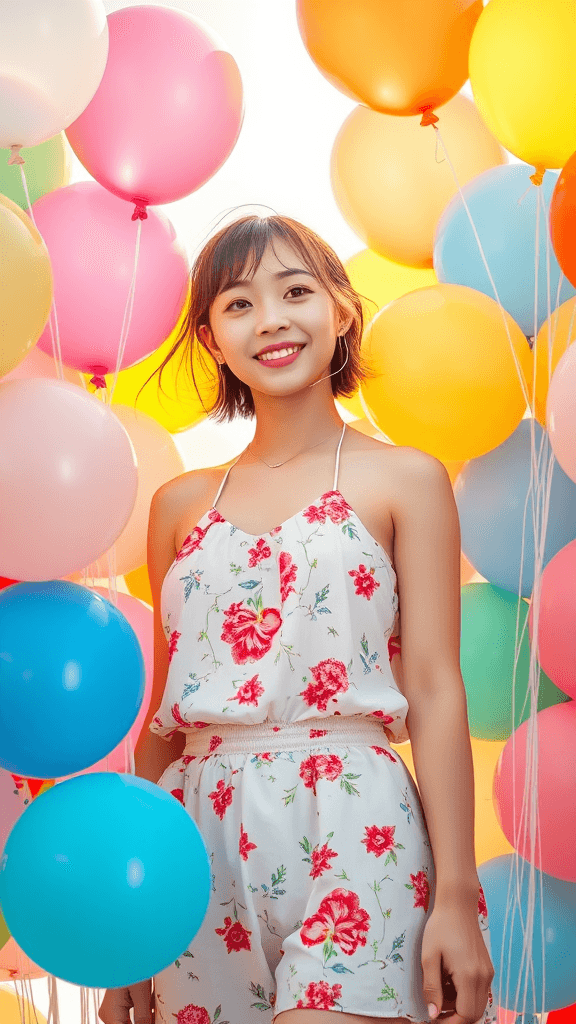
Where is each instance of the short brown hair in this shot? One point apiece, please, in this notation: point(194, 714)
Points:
point(223, 260)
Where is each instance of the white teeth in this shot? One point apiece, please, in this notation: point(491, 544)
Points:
point(280, 354)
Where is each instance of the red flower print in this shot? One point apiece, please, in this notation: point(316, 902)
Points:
point(249, 633)
point(249, 692)
point(386, 753)
point(188, 757)
point(339, 917)
point(221, 798)
point(267, 756)
point(379, 840)
point(422, 889)
point(321, 860)
point(319, 995)
point(192, 1015)
point(318, 732)
point(288, 573)
point(320, 766)
point(194, 539)
point(173, 644)
point(179, 794)
point(244, 846)
point(175, 712)
point(200, 725)
point(482, 908)
point(259, 553)
point(236, 936)
point(330, 678)
point(387, 719)
point(364, 581)
point(215, 742)
point(394, 647)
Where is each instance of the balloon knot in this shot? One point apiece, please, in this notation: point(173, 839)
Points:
point(537, 177)
point(98, 380)
point(15, 157)
point(428, 117)
point(140, 212)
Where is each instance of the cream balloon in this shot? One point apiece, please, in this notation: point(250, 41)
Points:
point(53, 55)
point(38, 364)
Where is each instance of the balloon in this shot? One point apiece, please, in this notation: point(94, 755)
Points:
point(492, 496)
point(47, 166)
point(52, 58)
point(563, 219)
point(552, 340)
point(557, 620)
point(11, 806)
point(4, 933)
point(69, 478)
point(488, 662)
point(38, 364)
point(10, 1010)
point(390, 185)
point(379, 281)
point(91, 240)
point(513, 985)
point(14, 964)
point(138, 583)
point(25, 285)
point(529, 42)
point(561, 412)
point(140, 618)
point(504, 217)
point(154, 138)
point(554, 775)
point(88, 884)
point(72, 682)
point(396, 56)
point(446, 380)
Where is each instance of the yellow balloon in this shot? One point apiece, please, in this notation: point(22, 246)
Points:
point(138, 583)
point(523, 76)
point(26, 285)
point(446, 380)
point(177, 407)
point(10, 1010)
point(558, 333)
point(378, 280)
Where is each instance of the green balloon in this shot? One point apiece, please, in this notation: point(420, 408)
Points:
point(487, 662)
point(4, 933)
point(46, 168)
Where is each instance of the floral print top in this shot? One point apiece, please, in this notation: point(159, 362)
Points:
point(300, 622)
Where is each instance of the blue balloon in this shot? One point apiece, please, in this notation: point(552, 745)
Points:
point(505, 219)
point(491, 492)
point(507, 929)
point(105, 880)
point(72, 678)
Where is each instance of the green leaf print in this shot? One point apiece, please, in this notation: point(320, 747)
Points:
point(344, 876)
point(217, 1012)
point(263, 1003)
point(349, 787)
point(340, 969)
point(249, 584)
point(279, 877)
point(328, 951)
point(306, 845)
point(387, 993)
point(291, 794)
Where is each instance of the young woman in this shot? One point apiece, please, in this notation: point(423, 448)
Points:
point(339, 891)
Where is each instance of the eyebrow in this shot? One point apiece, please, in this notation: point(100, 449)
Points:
point(279, 275)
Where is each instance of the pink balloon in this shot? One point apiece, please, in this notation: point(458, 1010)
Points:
point(167, 112)
point(37, 364)
point(91, 241)
point(11, 805)
point(557, 620)
point(556, 784)
point(561, 411)
point(141, 618)
point(68, 482)
point(15, 965)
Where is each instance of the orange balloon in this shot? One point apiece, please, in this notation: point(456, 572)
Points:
point(392, 182)
point(396, 56)
point(563, 220)
point(552, 340)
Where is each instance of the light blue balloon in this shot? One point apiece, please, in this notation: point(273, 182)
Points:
point(105, 880)
point(72, 678)
point(491, 492)
point(505, 220)
point(507, 922)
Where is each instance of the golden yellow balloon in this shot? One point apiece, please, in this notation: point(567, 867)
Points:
point(552, 340)
point(523, 76)
point(392, 182)
point(26, 285)
point(446, 379)
point(138, 583)
point(379, 281)
point(177, 407)
point(10, 1012)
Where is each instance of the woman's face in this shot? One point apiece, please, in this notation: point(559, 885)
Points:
point(282, 302)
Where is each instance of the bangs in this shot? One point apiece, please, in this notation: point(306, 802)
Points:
point(238, 254)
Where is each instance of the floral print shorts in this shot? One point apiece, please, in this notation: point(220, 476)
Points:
point(322, 875)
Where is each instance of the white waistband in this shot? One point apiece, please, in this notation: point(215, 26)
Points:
point(272, 736)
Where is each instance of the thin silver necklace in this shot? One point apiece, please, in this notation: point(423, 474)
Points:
point(277, 464)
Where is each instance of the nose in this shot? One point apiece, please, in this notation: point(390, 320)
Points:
point(272, 318)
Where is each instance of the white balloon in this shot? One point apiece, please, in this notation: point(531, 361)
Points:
point(53, 55)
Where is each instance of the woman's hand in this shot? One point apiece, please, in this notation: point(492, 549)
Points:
point(457, 969)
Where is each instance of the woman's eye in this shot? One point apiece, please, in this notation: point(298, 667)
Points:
point(295, 288)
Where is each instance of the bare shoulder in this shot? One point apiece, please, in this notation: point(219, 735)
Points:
point(411, 474)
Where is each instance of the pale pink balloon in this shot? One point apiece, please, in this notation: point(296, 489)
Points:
point(557, 620)
point(91, 240)
point(68, 482)
point(11, 805)
point(39, 364)
point(504, 1016)
point(15, 965)
point(141, 617)
point(555, 775)
point(561, 411)
point(168, 110)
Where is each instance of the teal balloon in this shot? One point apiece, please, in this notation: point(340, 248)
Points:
point(46, 168)
point(503, 203)
point(105, 880)
point(488, 632)
point(72, 678)
point(553, 940)
point(4, 933)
